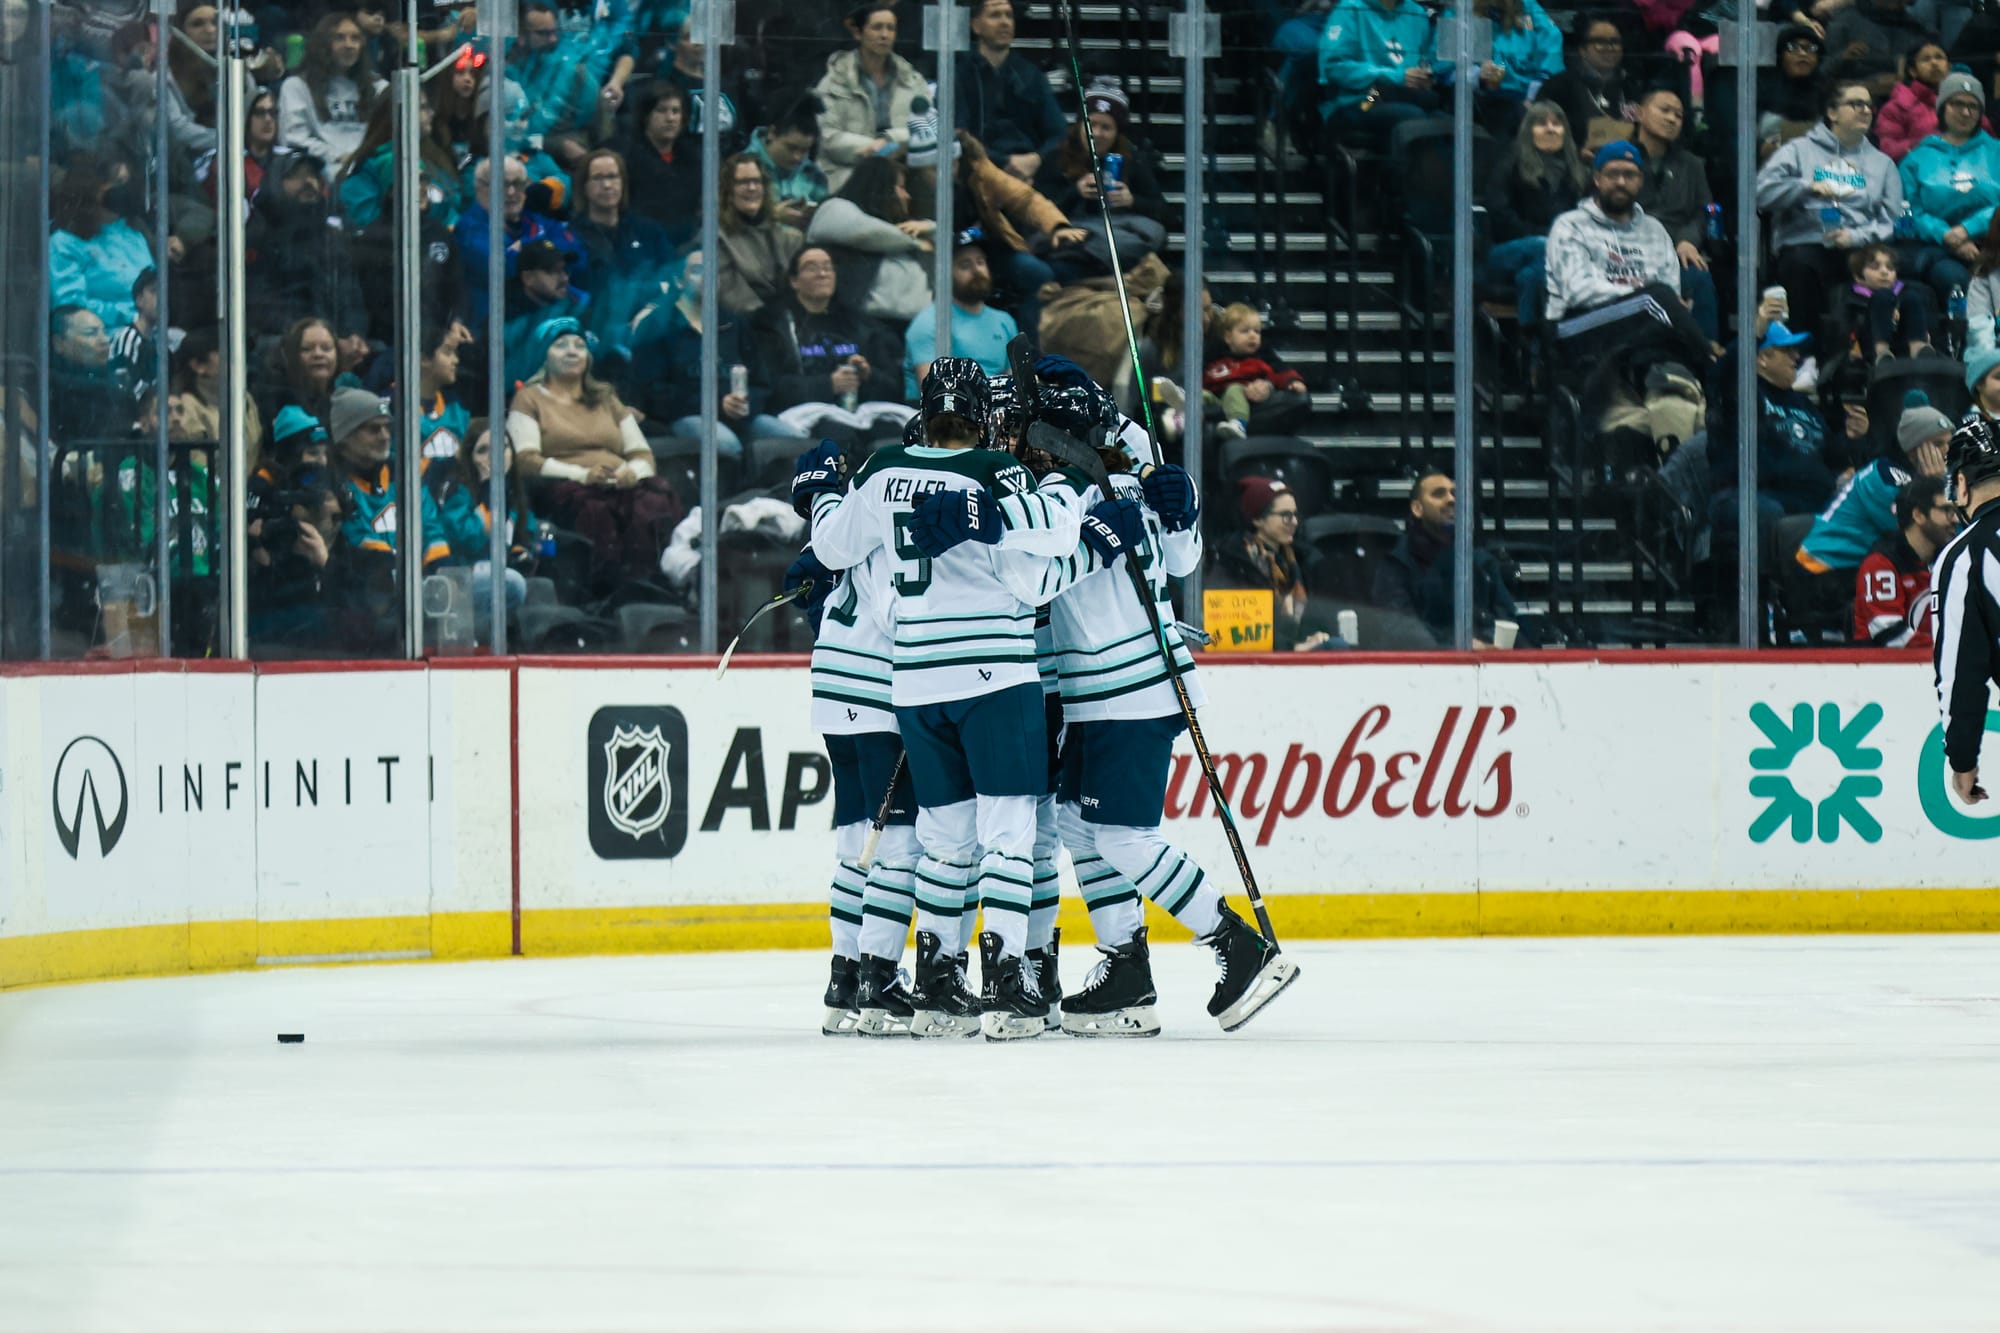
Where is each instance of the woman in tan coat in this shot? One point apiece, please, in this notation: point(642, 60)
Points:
point(755, 247)
point(867, 93)
point(590, 468)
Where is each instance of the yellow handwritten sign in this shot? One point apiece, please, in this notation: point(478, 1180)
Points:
point(1239, 618)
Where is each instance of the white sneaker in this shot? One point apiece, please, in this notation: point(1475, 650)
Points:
point(1808, 377)
point(1229, 429)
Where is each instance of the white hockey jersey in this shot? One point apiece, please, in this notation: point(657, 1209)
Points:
point(1108, 660)
point(851, 658)
point(963, 624)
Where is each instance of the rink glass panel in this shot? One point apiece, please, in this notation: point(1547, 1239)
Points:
point(1352, 281)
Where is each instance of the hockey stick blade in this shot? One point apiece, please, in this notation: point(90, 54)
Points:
point(789, 595)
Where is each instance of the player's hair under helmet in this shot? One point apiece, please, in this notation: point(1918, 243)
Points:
point(956, 386)
point(1974, 451)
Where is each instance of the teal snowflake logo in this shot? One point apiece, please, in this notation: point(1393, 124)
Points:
point(1785, 803)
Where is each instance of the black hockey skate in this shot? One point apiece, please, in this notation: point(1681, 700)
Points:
point(1013, 1005)
point(883, 1005)
point(1253, 971)
point(1118, 999)
point(941, 1005)
point(841, 1016)
point(1048, 977)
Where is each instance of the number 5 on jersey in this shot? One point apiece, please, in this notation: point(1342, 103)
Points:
point(917, 583)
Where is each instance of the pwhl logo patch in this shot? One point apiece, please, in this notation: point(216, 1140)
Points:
point(638, 783)
point(1784, 803)
point(89, 777)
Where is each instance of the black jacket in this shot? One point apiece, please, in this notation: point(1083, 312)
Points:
point(1676, 193)
point(1060, 189)
point(1967, 625)
point(1517, 207)
point(798, 351)
point(1010, 109)
point(667, 192)
point(1416, 578)
point(1799, 451)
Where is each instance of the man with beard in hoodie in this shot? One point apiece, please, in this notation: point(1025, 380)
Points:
point(1825, 195)
point(1614, 277)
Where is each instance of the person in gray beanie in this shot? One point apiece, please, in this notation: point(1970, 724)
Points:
point(1951, 180)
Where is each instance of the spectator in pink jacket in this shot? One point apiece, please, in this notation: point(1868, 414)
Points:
point(1910, 115)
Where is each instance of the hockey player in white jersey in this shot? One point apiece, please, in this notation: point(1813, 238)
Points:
point(1122, 716)
point(871, 906)
point(964, 682)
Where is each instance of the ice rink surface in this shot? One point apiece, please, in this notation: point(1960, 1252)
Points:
point(1798, 1134)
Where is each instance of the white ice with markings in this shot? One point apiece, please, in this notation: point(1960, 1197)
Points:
point(1798, 1134)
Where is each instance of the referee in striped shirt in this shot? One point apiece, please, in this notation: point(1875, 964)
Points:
point(1965, 601)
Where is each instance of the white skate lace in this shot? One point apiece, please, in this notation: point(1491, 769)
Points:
point(1100, 972)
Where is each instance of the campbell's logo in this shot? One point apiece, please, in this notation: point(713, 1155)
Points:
point(1458, 773)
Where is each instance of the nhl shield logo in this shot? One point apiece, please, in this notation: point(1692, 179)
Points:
point(637, 791)
point(637, 772)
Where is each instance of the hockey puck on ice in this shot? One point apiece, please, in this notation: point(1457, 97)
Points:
point(289, 1037)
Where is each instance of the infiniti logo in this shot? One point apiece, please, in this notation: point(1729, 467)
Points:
point(88, 773)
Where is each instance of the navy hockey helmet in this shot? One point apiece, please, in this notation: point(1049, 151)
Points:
point(913, 430)
point(1007, 416)
point(956, 386)
point(1974, 452)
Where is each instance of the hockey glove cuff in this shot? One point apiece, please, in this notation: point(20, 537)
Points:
point(808, 568)
point(1171, 493)
point(1113, 527)
point(948, 518)
point(821, 470)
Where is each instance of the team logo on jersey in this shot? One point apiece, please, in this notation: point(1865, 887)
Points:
point(637, 783)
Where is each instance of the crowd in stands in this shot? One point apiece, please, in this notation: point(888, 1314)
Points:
point(823, 267)
point(1608, 233)
point(1607, 197)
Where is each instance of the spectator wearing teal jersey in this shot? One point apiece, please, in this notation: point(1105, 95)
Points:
point(366, 184)
point(368, 482)
point(1951, 181)
point(466, 519)
point(1527, 52)
point(95, 255)
point(785, 147)
point(562, 95)
point(1376, 61)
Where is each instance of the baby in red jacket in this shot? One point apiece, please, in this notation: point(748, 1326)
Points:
point(1245, 375)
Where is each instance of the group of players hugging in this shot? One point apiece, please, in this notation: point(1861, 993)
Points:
point(992, 688)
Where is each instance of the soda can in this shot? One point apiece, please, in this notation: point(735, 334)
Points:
point(1114, 166)
point(739, 379)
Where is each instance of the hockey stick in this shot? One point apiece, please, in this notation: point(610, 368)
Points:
point(882, 814)
point(1094, 468)
point(789, 595)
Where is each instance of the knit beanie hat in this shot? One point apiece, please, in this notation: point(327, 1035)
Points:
point(353, 409)
point(923, 149)
point(1960, 83)
point(1106, 98)
point(1256, 495)
point(1979, 360)
point(297, 427)
point(549, 330)
point(1920, 421)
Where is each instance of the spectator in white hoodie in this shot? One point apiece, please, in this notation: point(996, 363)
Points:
point(1613, 275)
point(1826, 194)
point(323, 109)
